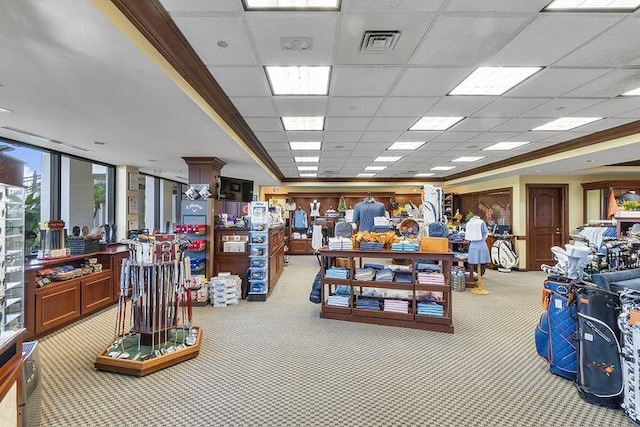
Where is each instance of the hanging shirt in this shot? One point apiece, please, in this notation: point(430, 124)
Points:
point(315, 209)
point(475, 230)
point(348, 215)
point(365, 212)
point(299, 219)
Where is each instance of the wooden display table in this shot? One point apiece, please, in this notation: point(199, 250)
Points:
point(408, 320)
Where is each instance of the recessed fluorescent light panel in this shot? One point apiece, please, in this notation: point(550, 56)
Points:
point(307, 168)
point(567, 123)
point(468, 159)
point(292, 4)
point(424, 174)
point(493, 80)
point(506, 145)
point(305, 145)
point(635, 92)
point(308, 175)
point(303, 123)
point(299, 80)
point(307, 159)
point(593, 4)
point(365, 175)
point(375, 168)
point(387, 158)
point(442, 168)
point(406, 145)
point(435, 123)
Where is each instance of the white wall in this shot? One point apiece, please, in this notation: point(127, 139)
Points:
point(77, 204)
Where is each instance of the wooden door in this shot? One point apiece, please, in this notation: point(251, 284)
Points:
point(546, 225)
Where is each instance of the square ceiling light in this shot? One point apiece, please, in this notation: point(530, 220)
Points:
point(593, 4)
point(423, 174)
point(299, 80)
point(307, 159)
point(406, 145)
point(308, 175)
point(387, 158)
point(635, 92)
point(493, 80)
point(303, 123)
point(442, 168)
point(506, 145)
point(292, 4)
point(435, 123)
point(375, 168)
point(305, 145)
point(468, 159)
point(567, 123)
point(307, 168)
point(365, 175)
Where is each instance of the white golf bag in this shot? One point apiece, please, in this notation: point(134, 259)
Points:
point(432, 204)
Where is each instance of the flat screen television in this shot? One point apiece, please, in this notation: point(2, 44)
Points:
point(235, 189)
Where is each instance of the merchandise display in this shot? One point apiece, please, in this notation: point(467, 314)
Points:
point(364, 213)
point(225, 289)
point(258, 285)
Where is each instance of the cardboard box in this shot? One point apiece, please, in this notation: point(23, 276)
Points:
point(234, 247)
point(434, 244)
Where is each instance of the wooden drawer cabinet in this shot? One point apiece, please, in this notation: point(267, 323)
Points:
point(57, 304)
point(96, 292)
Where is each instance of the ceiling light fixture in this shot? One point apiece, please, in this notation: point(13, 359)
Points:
point(406, 145)
point(26, 132)
point(634, 92)
point(298, 80)
point(468, 159)
point(365, 175)
point(303, 123)
point(306, 159)
point(435, 123)
point(308, 175)
point(99, 143)
point(590, 4)
point(4, 110)
point(423, 174)
point(292, 4)
point(375, 168)
point(387, 158)
point(506, 145)
point(307, 168)
point(493, 80)
point(442, 168)
point(567, 123)
point(305, 145)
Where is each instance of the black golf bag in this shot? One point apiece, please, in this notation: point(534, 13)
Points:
point(629, 323)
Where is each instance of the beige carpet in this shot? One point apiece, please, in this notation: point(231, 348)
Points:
point(278, 364)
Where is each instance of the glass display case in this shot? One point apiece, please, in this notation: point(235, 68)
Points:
point(11, 261)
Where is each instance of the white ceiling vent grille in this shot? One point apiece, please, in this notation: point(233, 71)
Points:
point(379, 41)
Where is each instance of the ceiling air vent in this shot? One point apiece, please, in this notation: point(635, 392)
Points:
point(379, 41)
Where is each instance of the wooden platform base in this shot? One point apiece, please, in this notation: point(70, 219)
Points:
point(140, 369)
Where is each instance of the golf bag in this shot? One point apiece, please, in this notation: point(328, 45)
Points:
point(503, 255)
point(555, 332)
point(432, 201)
point(629, 323)
point(599, 377)
point(438, 229)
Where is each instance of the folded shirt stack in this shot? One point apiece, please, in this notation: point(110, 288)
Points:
point(370, 292)
point(368, 304)
point(339, 243)
point(430, 309)
point(371, 246)
point(430, 278)
point(394, 267)
point(397, 306)
point(365, 273)
point(338, 301)
point(428, 267)
point(337, 273)
point(381, 228)
point(385, 275)
point(430, 297)
point(374, 266)
point(405, 247)
point(403, 277)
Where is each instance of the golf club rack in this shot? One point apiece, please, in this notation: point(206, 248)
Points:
point(154, 327)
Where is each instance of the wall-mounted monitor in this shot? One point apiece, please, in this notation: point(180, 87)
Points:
point(235, 189)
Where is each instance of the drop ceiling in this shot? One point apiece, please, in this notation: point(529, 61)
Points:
point(71, 75)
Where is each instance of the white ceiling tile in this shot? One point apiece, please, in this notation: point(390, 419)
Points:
point(603, 125)
point(492, 137)
point(264, 124)
point(255, 107)
point(633, 114)
point(459, 106)
point(562, 107)
point(615, 47)
point(622, 107)
point(333, 124)
point(362, 81)
point(352, 107)
point(267, 28)
point(466, 40)
point(520, 124)
point(386, 6)
point(337, 155)
point(279, 147)
point(405, 106)
point(609, 85)
point(479, 124)
point(562, 137)
point(451, 136)
point(241, 81)
point(444, 146)
point(419, 135)
point(552, 36)
point(302, 136)
point(181, 6)
point(373, 149)
point(510, 107)
point(534, 136)
point(399, 124)
point(388, 137)
point(339, 136)
point(555, 81)
point(412, 25)
point(339, 146)
point(271, 136)
point(301, 105)
point(203, 34)
point(429, 81)
point(497, 5)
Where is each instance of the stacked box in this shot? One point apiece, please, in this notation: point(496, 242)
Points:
point(200, 291)
point(224, 290)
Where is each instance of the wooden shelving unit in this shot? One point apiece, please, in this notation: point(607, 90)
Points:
point(407, 320)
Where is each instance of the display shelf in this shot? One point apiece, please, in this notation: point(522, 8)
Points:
point(259, 249)
point(411, 319)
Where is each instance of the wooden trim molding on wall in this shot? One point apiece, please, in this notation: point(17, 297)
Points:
point(155, 23)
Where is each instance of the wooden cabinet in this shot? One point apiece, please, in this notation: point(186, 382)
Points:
point(232, 262)
point(96, 291)
point(276, 255)
point(300, 246)
point(57, 304)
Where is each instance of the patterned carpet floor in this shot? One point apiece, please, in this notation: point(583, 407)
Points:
point(277, 363)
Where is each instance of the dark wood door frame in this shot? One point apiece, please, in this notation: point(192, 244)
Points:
point(564, 214)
